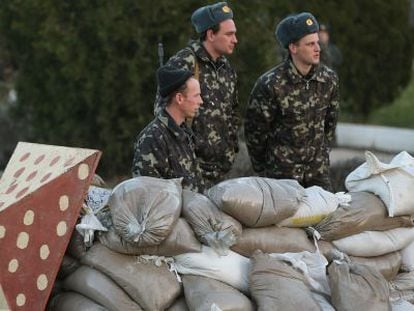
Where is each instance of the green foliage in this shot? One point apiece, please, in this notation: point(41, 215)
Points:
point(87, 67)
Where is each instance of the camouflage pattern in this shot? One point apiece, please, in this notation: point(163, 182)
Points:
point(217, 123)
point(290, 123)
point(165, 150)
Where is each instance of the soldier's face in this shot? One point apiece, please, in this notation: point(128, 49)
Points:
point(191, 99)
point(224, 40)
point(307, 50)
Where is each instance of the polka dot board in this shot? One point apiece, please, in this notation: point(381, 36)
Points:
point(41, 193)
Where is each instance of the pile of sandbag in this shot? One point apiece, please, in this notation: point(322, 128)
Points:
point(249, 243)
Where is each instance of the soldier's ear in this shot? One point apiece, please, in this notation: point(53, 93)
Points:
point(292, 47)
point(209, 34)
point(179, 97)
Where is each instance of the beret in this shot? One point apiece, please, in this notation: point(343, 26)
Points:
point(210, 15)
point(170, 79)
point(294, 27)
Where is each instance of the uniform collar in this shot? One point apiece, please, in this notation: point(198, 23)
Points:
point(201, 52)
point(180, 132)
point(296, 77)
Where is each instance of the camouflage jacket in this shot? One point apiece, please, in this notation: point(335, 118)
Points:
point(218, 121)
point(164, 149)
point(291, 119)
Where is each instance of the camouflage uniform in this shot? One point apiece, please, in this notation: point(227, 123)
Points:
point(164, 149)
point(216, 125)
point(290, 123)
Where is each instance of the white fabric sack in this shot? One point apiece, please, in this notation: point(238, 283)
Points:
point(391, 182)
point(313, 267)
point(232, 269)
point(315, 206)
point(375, 243)
point(402, 305)
point(407, 260)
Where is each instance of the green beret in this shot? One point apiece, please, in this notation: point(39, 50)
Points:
point(171, 79)
point(295, 27)
point(210, 15)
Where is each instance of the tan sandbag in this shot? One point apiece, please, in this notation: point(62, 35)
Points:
point(68, 266)
point(181, 240)
point(357, 287)
point(152, 287)
point(98, 287)
point(76, 248)
point(403, 281)
point(276, 285)
point(202, 293)
point(388, 265)
point(407, 295)
point(179, 305)
point(145, 209)
point(212, 227)
point(329, 251)
point(366, 212)
point(257, 201)
point(273, 240)
point(71, 301)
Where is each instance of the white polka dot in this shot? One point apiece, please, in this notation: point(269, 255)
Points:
point(63, 202)
point(83, 171)
point(61, 228)
point(2, 232)
point(28, 218)
point(44, 252)
point(13, 265)
point(42, 282)
point(22, 240)
point(20, 300)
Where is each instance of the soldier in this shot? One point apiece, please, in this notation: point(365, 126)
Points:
point(165, 148)
point(217, 123)
point(331, 55)
point(293, 108)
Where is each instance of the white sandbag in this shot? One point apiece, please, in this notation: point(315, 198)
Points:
point(144, 209)
point(257, 201)
point(402, 305)
point(98, 287)
point(232, 269)
point(179, 305)
point(393, 182)
point(313, 267)
point(407, 254)
point(315, 206)
point(323, 302)
point(202, 293)
point(375, 243)
point(212, 227)
point(388, 265)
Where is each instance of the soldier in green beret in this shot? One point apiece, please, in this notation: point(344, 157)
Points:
point(165, 148)
point(293, 109)
point(216, 126)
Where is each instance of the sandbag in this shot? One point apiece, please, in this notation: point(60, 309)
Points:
point(144, 209)
point(391, 182)
point(257, 201)
point(402, 305)
point(272, 240)
point(375, 243)
point(276, 285)
point(357, 287)
point(98, 287)
point(388, 265)
point(68, 266)
point(315, 206)
point(152, 287)
point(407, 295)
point(407, 254)
point(71, 301)
point(366, 212)
point(403, 281)
point(231, 269)
point(202, 293)
point(179, 305)
point(212, 227)
point(181, 240)
point(330, 252)
point(76, 248)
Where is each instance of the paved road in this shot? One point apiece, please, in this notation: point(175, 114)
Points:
point(342, 154)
